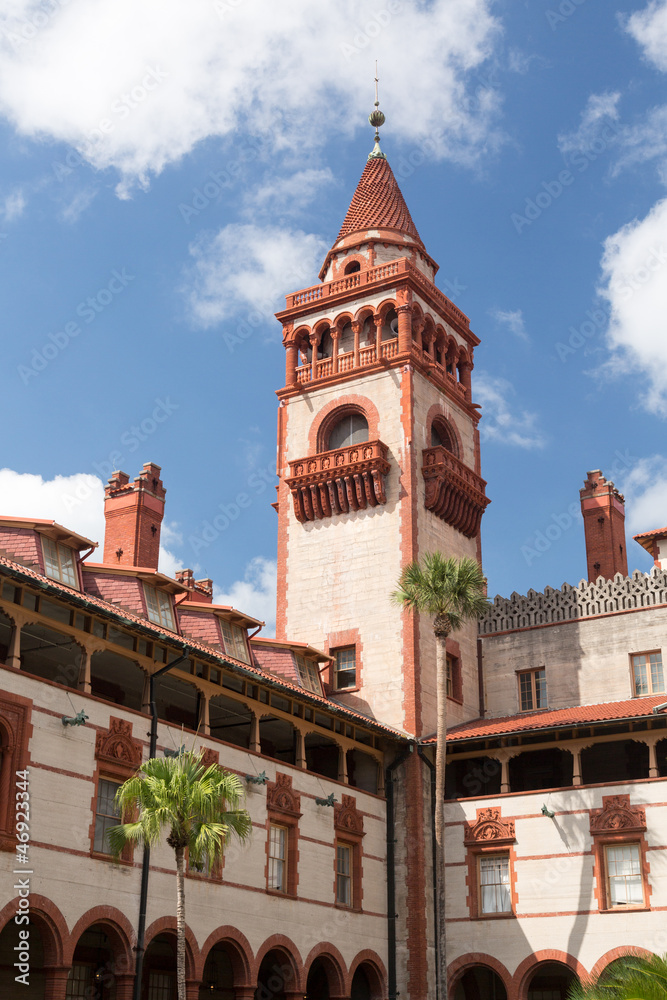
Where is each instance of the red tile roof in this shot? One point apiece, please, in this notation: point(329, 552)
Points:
point(578, 715)
point(378, 204)
point(647, 538)
point(192, 646)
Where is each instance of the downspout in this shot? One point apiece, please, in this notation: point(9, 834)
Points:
point(431, 766)
point(480, 677)
point(145, 864)
point(391, 873)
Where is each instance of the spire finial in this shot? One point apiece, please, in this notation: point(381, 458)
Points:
point(376, 119)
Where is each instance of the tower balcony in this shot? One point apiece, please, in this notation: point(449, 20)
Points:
point(453, 492)
point(339, 481)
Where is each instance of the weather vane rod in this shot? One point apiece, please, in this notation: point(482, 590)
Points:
point(376, 119)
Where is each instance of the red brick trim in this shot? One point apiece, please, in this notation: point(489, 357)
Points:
point(526, 970)
point(622, 952)
point(618, 823)
point(122, 936)
point(349, 827)
point(49, 919)
point(167, 925)
point(374, 968)
point(287, 948)
point(15, 733)
point(329, 414)
point(335, 963)
point(240, 953)
point(460, 966)
point(339, 640)
point(489, 834)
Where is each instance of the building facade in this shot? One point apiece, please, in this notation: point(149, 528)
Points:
point(557, 744)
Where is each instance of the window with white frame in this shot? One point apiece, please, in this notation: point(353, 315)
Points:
point(345, 668)
point(106, 814)
point(309, 676)
point(647, 673)
point(494, 884)
point(60, 562)
point(278, 839)
point(158, 604)
point(235, 641)
point(625, 885)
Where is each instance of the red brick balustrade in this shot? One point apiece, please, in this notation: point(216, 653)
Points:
point(453, 492)
point(335, 482)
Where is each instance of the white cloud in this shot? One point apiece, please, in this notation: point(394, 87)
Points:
point(255, 593)
point(645, 491)
point(634, 282)
point(646, 141)
point(76, 502)
point(136, 86)
point(513, 320)
point(649, 28)
point(499, 423)
point(13, 205)
point(249, 267)
point(600, 110)
point(78, 204)
point(288, 194)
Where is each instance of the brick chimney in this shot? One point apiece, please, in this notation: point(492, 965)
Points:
point(603, 510)
point(133, 513)
point(199, 591)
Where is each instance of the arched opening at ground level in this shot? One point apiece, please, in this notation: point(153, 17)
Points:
point(93, 971)
point(276, 977)
point(35, 983)
point(159, 974)
point(479, 982)
point(550, 981)
point(367, 983)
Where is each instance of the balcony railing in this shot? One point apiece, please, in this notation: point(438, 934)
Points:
point(453, 491)
point(336, 482)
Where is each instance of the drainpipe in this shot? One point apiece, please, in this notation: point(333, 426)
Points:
point(431, 766)
point(145, 864)
point(391, 872)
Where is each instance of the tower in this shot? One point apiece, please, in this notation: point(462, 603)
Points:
point(603, 511)
point(378, 458)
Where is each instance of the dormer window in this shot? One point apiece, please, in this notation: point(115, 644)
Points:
point(59, 562)
point(309, 676)
point(235, 641)
point(158, 603)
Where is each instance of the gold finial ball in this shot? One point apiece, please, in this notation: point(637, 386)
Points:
point(376, 118)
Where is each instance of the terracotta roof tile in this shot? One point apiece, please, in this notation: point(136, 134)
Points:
point(194, 646)
point(378, 204)
point(578, 715)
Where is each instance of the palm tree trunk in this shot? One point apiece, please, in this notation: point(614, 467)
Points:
point(180, 922)
point(441, 630)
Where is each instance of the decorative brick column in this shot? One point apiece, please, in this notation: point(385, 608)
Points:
point(55, 986)
point(124, 985)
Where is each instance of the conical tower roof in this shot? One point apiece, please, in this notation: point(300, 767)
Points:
point(378, 204)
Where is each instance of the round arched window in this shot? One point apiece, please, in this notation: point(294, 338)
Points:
point(352, 267)
point(350, 429)
point(443, 436)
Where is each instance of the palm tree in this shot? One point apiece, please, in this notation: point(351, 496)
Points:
point(199, 806)
point(634, 977)
point(453, 591)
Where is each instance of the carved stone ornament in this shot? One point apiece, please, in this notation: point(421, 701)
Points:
point(210, 756)
point(489, 827)
point(117, 746)
point(453, 492)
point(347, 817)
point(280, 797)
point(617, 816)
point(350, 478)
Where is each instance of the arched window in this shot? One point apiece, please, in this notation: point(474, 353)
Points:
point(352, 267)
point(352, 428)
point(443, 436)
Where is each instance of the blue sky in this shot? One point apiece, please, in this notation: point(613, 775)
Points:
point(170, 171)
